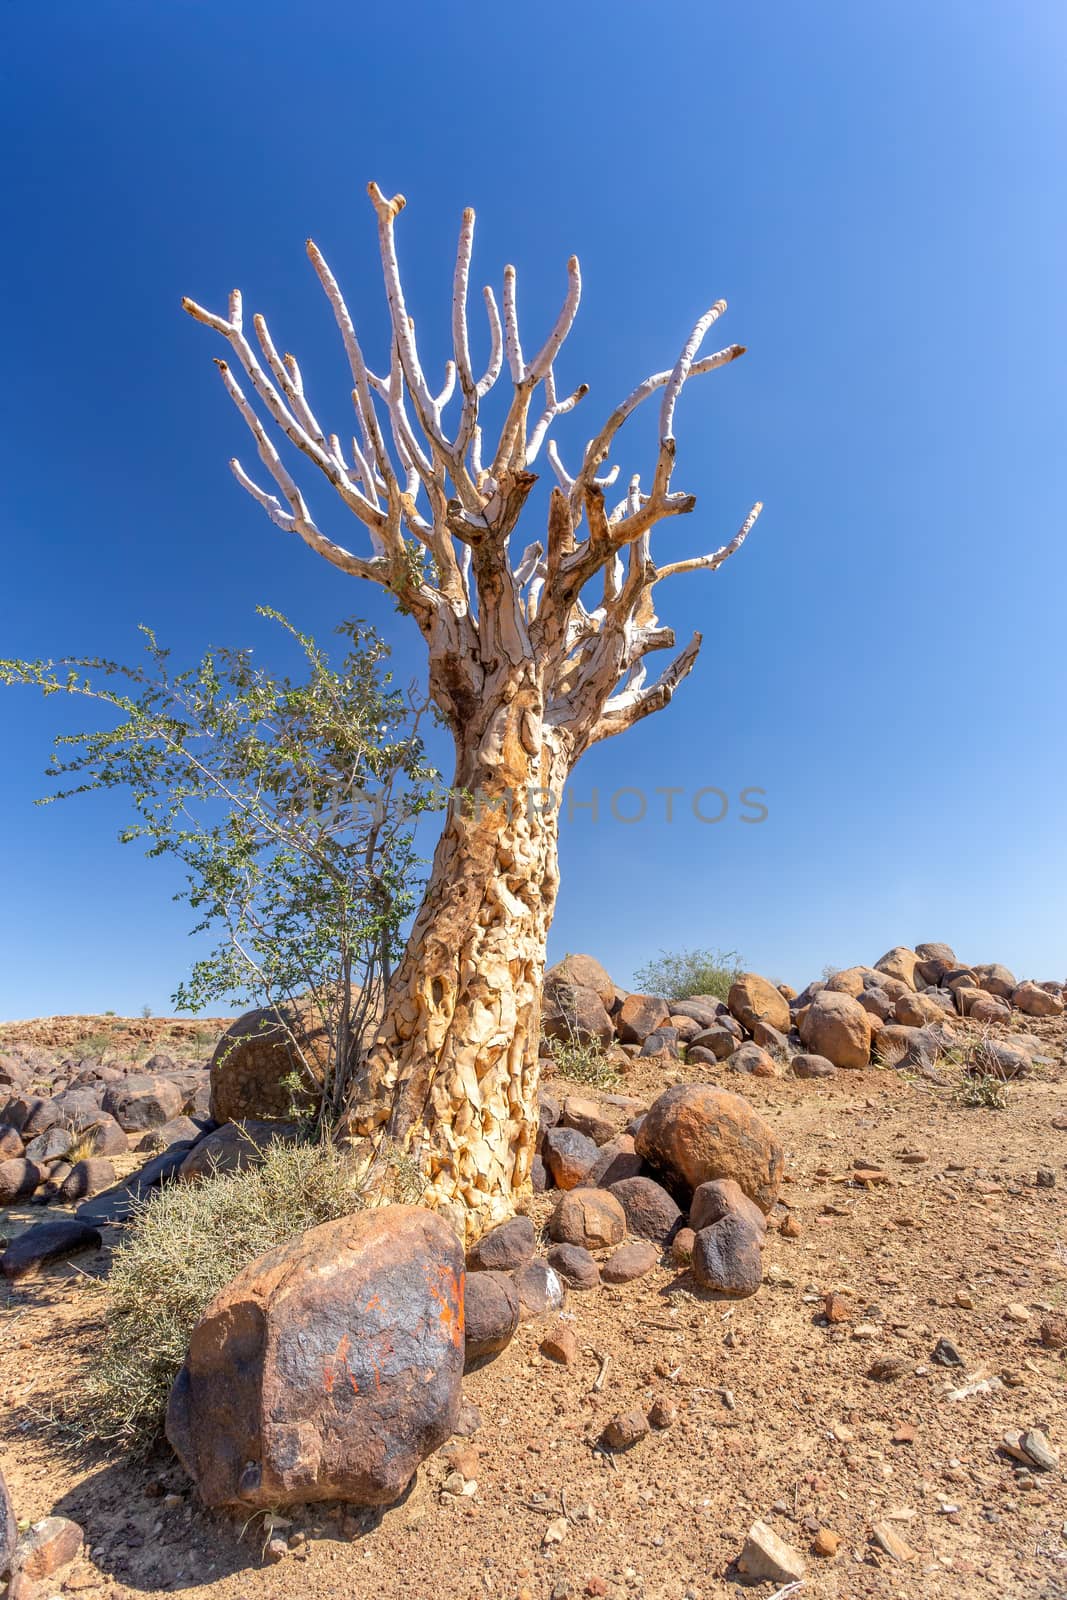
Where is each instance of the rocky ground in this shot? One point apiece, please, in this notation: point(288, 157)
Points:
point(831, 1420)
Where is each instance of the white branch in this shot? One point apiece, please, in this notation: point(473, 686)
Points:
point(564, 323)
point(711, 563)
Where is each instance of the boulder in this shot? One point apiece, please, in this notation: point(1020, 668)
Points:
point(490, 1315)
point(138, 1103)
point(233, 1148)
point(1000, 1059)
point(685, 1028)
point(722, 1198)
point(39, 1246)
point(78, 1108)
point(639, 1015)
point(754, 999)
point(588, 1117)
point(257, 1070)
point(997, 980)
point(18, 1179)
point(630, 1261)
point(569, 1157)
point(981, 1006)
point(663, 1042)
point(539, 1288)
point(916, 1010)
point(649, 1210)
point(574, 1265)
point(936, 952)
point(509, 1245)
point(696, 1132)
point(50, 1146)
point(581, 972)
point(1034, 1001)
point(752, 1058)
point(717, 1043)
point(877, 1002)
point(590, 1217)
point(726, 1257)
point(85, 1179)
point(575, 1016)
point(10, 1143)
point(704, 1009)
point(616, 1161)
point(811, 1066)
point(770, 1039)
point(851, 980)
point(900, 963)
point(108, 1138)
point(329, 1368)
point(837, 1027)
point(169, 1133)
point(41, 1116)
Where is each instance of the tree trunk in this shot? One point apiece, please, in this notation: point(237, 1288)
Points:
point(451, 1079)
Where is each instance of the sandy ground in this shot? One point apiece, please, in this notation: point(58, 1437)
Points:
point(776, 1415)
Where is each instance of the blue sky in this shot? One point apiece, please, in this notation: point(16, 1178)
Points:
point(876, 190)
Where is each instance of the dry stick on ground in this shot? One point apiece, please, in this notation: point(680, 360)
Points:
point(526, 667)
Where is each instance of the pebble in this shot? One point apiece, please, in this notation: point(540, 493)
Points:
point(964, 1300)
point(625, 1429)
point(835, 1309)
point(946, 1354)
point(766, 1556)
point(886, 1369)
point(790, 1228)
point(1032, 1447)
point(1016, 1312)
point(826, 1542)
point(887, 1539)
point(560, 1345)
point(664, 1414)
point(48, 1545)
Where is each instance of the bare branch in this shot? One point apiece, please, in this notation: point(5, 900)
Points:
point(621, 711)
point(711, 563)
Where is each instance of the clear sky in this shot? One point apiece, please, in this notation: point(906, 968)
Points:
point(878, 191)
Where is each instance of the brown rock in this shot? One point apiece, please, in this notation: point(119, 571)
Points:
point(765, 1556)
point(682, 1246)
point(616, 1161)
point(256, 1062)
point(752, 1058)
point(663, 1414)
point(878, 1003)
point(539, 1288)
point(835, 1309)
point(18, 1179)
point(996, 980)
point(575, 1265)
point(590, 1217)
point(490, 1315)
point(1034, 1001)
point(588, 1117)
point(581, 972)
point(826, 1543)
point(887, 1369)
point(576, 1015)
point(509, 1245)
point(10, 1143)
point(809, 1066)
point(899, 963)
point(790, 1228)
point(560, 1345)
point(640, 1015)
point(719, 1198)
point(726, 1257)
point(837, 1027)
point(108, 1138)
point(625, 1429)
point(885, 1536)
point(752, 999)
point(569, 1157)
point(329, 1368)
point(630, 1261)
point(852, 981)
point(717, 1042)
point(50, 1544)
point(649, 1210)
point(697, 1132)
point(1053, 1331)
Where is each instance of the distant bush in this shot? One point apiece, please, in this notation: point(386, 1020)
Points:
point(185, 1245)
point(587, 1064)
point(678, 974)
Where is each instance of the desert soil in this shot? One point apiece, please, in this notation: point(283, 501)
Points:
point(776, 1415)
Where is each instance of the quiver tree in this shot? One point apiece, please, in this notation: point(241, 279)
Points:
point(533, 658)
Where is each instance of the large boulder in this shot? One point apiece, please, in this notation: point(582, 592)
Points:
point(639, 1015)
point(593, 1218)
point(232, 1148)
point(574, 1014)
point(508, 1246)
point(329, 1368)
point(695, 1132)
point(900, 962)
point(726, 1257)
point(995, 979)
point(1034, 1001)
point(140, 1102)
point(837, 1027)
point(18, 1179)
point(491, 1310)
point(258, 1070)
point(569, 1156)
point(754, 999)
point(38, 1247)
point(649, 1210)
point(581, 972)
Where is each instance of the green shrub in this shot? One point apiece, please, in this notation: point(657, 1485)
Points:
point(185, 1245)
point(587, 1064)
point(678, 974)
point(983, 1091)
